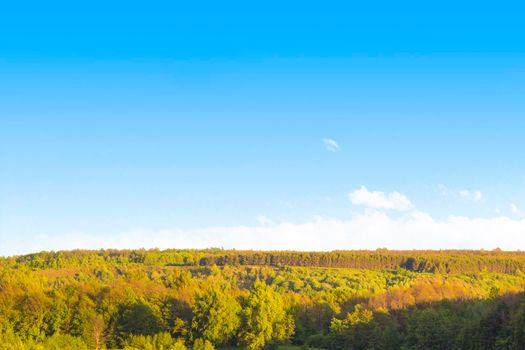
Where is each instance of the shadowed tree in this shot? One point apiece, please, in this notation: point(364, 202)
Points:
point(135, 319)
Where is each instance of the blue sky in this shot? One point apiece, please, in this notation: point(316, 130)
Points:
point(257, 125)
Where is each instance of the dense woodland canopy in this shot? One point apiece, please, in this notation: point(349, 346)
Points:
point(226, 299)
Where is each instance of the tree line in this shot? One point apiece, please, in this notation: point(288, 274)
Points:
point(443, 261)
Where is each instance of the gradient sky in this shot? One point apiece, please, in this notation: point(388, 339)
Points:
point(256, 125)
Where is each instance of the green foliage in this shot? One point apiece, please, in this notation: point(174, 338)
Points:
point(215, 315)
point(432, 329)
point(202, 344)
point(265, 318)
point(369, 300)
point(452, 261)
point(135, 319)
point(11, 341)
point(94, 333)
point(64, 341)
point(159, 341)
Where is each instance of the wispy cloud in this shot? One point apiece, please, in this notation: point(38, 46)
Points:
point(263, 220)
point(443, 189)
point(515, 210)
point(475, 196)
point(472, 195)
point(331, 145)
point(380, 200)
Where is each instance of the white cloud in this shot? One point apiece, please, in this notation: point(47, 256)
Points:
point(380, 200)
point(263, 220)
point(369, 229)
point(366, 230)
point(515, 210)
point(475, 196)
point(331, 145)
point(464, 193)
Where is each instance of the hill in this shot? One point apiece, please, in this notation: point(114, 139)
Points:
point(201, 299)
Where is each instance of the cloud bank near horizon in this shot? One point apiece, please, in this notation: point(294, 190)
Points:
point(388, 220)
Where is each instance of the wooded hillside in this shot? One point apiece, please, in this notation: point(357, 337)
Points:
point(205, 299)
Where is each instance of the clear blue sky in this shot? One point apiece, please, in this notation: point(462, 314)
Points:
point(118, 117)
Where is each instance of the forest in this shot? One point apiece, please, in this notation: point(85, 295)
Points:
point(228, 299)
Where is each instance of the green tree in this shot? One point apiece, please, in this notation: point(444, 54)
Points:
point(265, 318)
point(159, 341)
point(215, 316)
point(202, 344)
point(432, 329)
point(354, 331)
point(29, 317)
point(94, 331)
point(135, 319)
